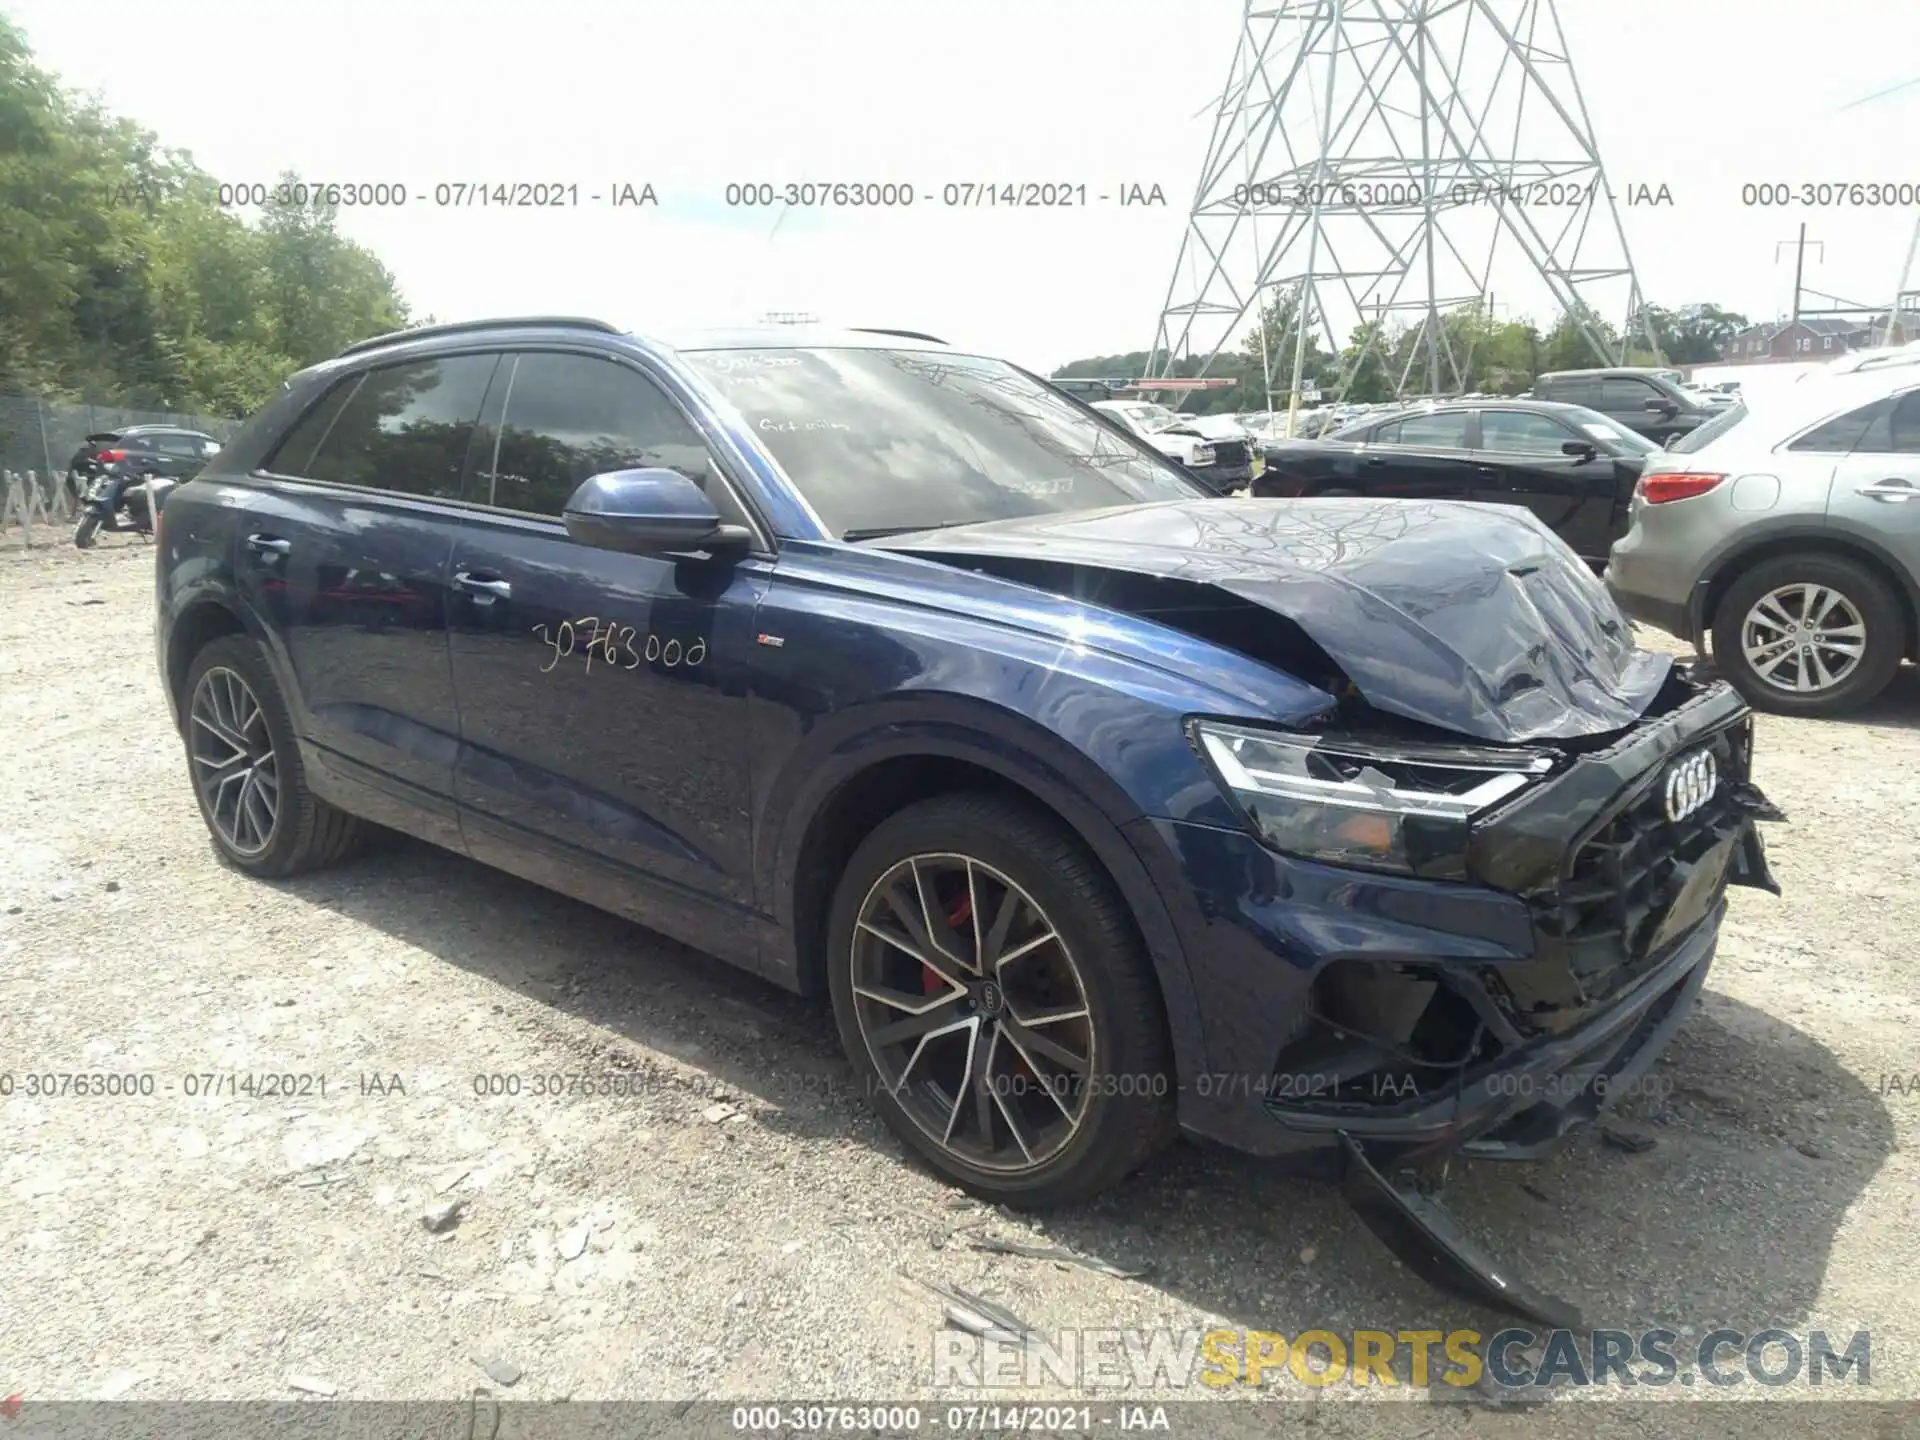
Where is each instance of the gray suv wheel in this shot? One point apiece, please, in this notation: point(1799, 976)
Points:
point(1809, 635)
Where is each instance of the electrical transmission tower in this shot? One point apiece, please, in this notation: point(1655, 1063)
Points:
point(1372, 162)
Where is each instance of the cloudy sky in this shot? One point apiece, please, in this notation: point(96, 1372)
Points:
point(1703, 96)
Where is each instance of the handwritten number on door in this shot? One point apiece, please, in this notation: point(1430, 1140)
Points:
point(613, 644)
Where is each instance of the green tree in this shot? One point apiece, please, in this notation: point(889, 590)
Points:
point(1690, 335)
point(121, 276)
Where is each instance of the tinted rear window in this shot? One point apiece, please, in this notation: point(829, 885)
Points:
point(404, 427)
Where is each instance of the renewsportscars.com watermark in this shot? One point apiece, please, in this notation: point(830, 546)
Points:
point(1513, 1358)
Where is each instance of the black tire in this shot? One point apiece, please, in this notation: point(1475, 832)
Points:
point(308, 833)
point(1335, 494)
point(84, 532)
point(1119, 1132)
point(1870, 597)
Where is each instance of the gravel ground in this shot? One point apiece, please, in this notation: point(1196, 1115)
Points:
point(737, 1226)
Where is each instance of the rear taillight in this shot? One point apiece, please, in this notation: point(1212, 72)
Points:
point(1659, 489)
point(111, 457)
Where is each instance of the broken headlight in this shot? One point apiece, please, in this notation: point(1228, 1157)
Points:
point(1400, 808)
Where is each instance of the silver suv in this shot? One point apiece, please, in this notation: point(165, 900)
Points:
point(1787, 529)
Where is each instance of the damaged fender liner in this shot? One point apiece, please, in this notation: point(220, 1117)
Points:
point(1475, 619)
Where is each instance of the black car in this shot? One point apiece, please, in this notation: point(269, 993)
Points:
point(1644, 401)
point(139, 451)
point(1573, 468)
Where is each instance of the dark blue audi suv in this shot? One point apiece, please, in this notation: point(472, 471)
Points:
point(1103, 808)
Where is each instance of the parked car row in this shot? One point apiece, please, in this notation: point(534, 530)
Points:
point(1574, 468)
point(1780, 535)
point(1353, 831)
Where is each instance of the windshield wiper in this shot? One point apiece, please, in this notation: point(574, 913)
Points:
point(881, 532)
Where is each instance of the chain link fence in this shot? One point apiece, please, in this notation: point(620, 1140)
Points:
point(38, 439)
point(41, 435)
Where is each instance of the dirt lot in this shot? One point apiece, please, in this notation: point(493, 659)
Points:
point(737, 1226)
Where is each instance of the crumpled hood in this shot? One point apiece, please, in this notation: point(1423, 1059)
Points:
point(1472, 618)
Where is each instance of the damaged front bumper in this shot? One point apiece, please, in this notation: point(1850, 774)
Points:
point(1397, 1024)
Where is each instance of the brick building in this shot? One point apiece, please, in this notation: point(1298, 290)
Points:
point(1815, 337)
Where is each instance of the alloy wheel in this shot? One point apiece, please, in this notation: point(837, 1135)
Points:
point(973, 1012)
point(1803, 638)
point(234, 767)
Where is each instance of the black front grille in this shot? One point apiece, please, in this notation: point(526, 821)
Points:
point(1229, 454)
point(1616, 887)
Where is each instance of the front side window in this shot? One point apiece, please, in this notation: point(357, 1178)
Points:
point(1896, 431)
point(402, 427)
point(1624, 392)
point(886, 441)
point(571, 417)
point(1519, 432)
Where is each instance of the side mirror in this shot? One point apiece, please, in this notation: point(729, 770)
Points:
point(648, 512)
point(1585, 449)
point(1664, 407)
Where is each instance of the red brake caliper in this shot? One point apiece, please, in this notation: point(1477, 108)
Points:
point(930, 980)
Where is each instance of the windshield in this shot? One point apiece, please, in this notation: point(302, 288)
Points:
point(1605, 427)
point(886, 441)
point(1151, 417)
point(1719, 425)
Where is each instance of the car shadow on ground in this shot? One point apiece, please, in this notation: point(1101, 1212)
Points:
point(1896, 707)
point(1761, 1141)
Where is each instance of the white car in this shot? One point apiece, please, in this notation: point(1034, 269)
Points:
point(1885, 358)
point(1170, 434)
point(1716, 399)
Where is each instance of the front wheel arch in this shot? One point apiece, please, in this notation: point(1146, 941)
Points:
point(859, 802)
point(1046, 871)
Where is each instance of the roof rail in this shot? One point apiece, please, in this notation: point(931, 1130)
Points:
point(903, 334)
point(455, 327)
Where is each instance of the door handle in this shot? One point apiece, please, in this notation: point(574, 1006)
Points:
point(1376, 460)
point(268, 545)
point(485, 589)
point(1891, 490)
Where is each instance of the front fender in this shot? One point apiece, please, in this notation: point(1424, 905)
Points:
point(1019, 752)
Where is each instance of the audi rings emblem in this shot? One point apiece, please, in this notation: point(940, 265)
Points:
point(1690, 784)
